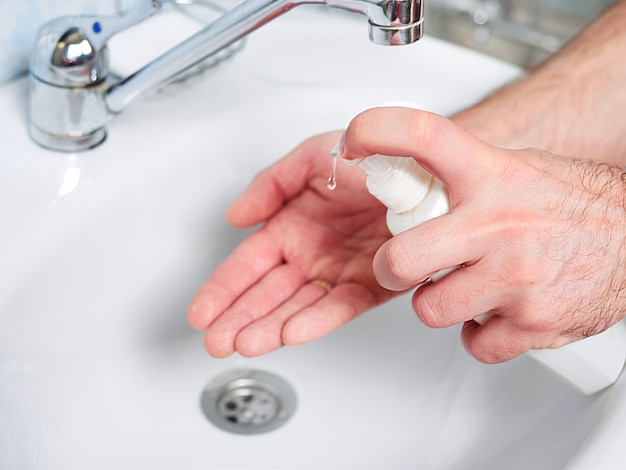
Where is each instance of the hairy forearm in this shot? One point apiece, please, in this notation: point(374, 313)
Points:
point(572, 104)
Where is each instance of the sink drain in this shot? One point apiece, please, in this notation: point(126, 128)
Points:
point(248, 401)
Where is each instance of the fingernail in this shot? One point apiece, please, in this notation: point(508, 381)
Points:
point(426, 282)
point(341, 146)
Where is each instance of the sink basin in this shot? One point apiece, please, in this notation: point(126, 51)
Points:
point(102, 251)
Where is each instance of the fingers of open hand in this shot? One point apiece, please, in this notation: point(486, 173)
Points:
point(265, 334)
point(255, 302)
point(263, 297)
point(342, 304)
point(253, 326)
point(247, 264)
point(310, 314)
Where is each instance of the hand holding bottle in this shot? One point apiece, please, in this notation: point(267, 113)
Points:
point(540, 237)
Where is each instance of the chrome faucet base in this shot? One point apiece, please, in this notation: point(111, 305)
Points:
point(67, 119)
point(66, 143)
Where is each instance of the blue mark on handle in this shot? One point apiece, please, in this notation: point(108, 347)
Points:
point(97, 27)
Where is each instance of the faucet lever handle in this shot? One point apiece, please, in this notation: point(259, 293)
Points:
point(71, 50)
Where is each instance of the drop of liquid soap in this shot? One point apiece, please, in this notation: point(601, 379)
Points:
point(332, 179)
point(331, 184)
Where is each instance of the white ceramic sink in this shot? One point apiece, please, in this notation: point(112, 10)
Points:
point(102, 251)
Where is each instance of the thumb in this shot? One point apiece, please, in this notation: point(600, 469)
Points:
point(273, 187)
point(440, 146)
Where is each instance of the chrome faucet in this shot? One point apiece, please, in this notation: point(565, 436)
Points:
point(73, 95)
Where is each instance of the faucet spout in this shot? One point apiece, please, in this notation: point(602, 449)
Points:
point(391, 22)
point(72, 99)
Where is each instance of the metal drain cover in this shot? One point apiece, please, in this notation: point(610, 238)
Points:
point(248, 401)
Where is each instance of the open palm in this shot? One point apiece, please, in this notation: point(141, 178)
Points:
point(267, 292)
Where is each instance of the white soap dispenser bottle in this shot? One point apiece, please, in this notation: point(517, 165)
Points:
point(413, 196)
